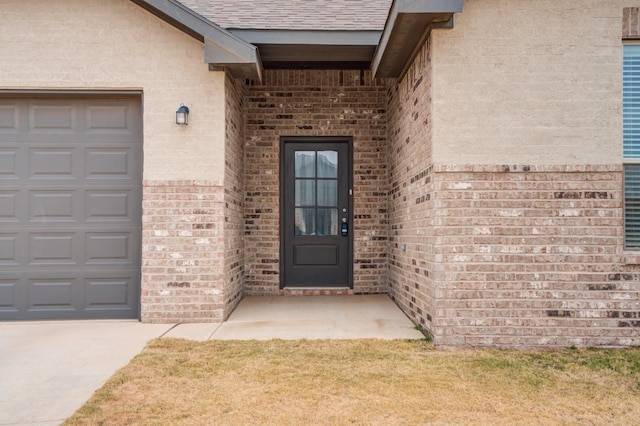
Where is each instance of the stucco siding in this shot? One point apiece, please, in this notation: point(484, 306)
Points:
point(529, 82)
point(114, 44)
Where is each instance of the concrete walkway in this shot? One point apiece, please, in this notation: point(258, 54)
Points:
point(49, 369)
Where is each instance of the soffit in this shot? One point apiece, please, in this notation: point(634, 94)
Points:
point(407, 27)
point(312, 48)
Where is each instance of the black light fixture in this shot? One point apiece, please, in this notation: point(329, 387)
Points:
point(182, 115)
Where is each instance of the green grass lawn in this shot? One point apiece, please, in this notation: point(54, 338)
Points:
point(364, 382)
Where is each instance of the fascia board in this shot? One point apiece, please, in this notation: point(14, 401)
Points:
point(429, 9)
point(429, 6)
point(220, 56)
point(208, 32)
point(308, 37)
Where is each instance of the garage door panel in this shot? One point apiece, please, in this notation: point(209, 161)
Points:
point(109, 118)
point(70, 208)
point(9, 249)
point(53, 163)
point(8, 299)
point(53, 117)
point(118, 119)
point(110, 163)
point(114, 248)
point(112, 205)
point(9, 202)
point(111, 292)
point(9, 113)
point(9, 163)
point(53, 206)
point(52, 293)
point(54, 248)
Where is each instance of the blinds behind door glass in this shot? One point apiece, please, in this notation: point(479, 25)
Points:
point(316, 193)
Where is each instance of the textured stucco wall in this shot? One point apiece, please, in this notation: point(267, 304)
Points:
point(114, 44)
point(529, 82)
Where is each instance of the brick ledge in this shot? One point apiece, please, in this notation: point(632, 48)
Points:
point(181, 182)
point(523, 168)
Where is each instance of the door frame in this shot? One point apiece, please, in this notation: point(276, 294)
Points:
point(348, 140)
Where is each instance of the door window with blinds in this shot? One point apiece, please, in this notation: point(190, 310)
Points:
point(316, 193)
point(631, 145)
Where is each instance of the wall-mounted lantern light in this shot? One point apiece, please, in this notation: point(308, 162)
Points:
point(182, 115)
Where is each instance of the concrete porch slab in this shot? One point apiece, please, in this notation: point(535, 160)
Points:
point(316, 317)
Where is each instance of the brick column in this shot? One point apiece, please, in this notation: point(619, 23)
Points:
point(183, 252)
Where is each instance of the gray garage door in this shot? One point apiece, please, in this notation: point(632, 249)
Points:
point(70, 207)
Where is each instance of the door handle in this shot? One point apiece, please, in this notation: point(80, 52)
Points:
point(344, 228)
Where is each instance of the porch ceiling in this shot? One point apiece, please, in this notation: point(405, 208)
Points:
point(408, 25)
point(313, 49)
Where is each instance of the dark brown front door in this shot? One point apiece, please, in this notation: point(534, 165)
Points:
point(316, 212)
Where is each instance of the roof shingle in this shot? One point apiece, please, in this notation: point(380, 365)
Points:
point(340, 15)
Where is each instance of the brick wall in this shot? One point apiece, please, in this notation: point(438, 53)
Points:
point(411, 192)
point(193, 258)
point(193, 236)
point(234, 196)
point(532, 256)
point(182, 262)
point(529, 255)
point(315, 103)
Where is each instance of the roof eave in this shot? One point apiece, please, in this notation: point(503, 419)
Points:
point(312, 48)
point(408, 25)
point(223, 50)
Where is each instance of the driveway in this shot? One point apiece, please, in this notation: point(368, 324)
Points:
point(49, 369)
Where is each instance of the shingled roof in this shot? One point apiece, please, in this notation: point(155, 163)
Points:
point(331, 15)
point(246, 36)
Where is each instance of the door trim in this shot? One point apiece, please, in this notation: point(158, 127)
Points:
point(316, 140)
